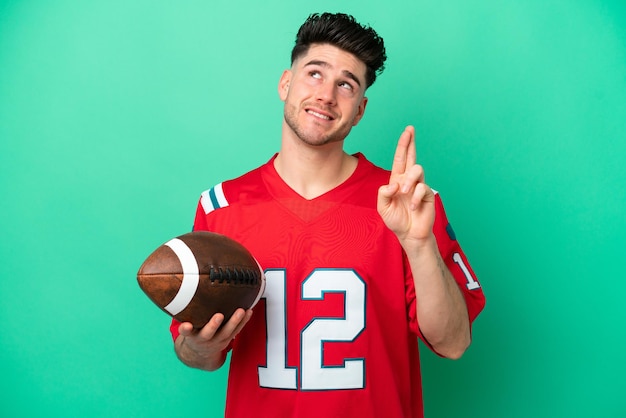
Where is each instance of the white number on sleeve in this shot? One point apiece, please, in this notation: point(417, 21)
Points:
point(471, 282)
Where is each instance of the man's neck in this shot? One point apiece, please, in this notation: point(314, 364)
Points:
point(312, 171)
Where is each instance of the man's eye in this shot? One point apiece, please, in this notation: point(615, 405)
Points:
point(315, 74)
point(346, 85)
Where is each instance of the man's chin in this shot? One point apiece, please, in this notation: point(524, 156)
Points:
point(317, 135)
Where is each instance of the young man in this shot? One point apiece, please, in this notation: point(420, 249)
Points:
point(360, 262)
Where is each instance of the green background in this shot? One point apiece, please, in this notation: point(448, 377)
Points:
point(116, 114)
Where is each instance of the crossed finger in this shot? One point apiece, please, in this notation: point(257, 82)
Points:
point(405, 156)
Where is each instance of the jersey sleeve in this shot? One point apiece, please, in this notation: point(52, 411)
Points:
point(174, 329)
point(456, 261)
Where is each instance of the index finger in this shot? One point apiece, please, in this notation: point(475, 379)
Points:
point(405, 155)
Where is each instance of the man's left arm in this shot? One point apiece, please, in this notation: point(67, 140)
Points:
point(407, 206)
point(441, 309)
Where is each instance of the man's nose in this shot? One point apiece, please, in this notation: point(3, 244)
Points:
point(326, 92)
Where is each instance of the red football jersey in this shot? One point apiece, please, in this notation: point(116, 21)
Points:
point(335, 333)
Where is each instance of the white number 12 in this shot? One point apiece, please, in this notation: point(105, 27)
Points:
point(314, 374)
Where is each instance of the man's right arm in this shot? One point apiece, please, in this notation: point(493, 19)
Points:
point(206, 348)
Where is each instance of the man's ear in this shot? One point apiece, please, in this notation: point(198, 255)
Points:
point(360, 111)
point(283, 84)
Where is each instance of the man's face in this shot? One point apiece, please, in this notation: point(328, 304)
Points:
point(323, 94)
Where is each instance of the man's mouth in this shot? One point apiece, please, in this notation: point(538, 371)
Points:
point(318, 114)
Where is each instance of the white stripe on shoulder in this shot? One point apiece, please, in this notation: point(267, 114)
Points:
point(219, 195)
point(205, 200)
point(213, 198)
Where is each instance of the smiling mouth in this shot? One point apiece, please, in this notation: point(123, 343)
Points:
point(319, 115)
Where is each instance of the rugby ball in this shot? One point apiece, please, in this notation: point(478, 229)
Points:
point(196, 275)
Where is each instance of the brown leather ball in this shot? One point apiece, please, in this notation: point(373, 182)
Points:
point(196, 275)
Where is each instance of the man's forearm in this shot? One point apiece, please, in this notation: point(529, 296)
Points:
point(441, 309)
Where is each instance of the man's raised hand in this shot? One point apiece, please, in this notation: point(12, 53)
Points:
point(407, 203)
